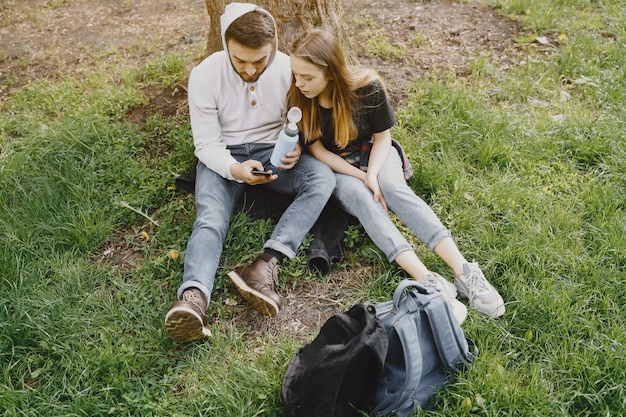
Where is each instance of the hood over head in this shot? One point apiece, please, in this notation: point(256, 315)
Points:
point(234, 11)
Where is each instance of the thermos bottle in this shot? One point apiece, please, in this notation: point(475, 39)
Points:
point(288, 137)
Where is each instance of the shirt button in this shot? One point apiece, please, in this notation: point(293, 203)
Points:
point(253, 103)
point(251, 88)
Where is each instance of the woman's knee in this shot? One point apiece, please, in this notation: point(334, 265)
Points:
point(390, 187)
point(350, 188)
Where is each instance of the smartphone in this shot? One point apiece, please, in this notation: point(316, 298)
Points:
point(257, 172)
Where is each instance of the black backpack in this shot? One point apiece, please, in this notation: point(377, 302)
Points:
point(337, 374)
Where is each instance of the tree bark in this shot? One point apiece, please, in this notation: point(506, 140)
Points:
point(292, 18)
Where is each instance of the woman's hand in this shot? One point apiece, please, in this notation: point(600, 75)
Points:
point(372, 183)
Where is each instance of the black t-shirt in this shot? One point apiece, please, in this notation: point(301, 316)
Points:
point(373, 115)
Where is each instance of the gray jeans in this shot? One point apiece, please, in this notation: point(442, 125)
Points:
point(311, 183)
point(357, 199)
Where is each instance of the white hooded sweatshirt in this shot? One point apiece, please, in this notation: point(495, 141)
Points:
point(225, 110)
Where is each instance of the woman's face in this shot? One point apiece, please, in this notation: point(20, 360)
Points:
point(311, 80)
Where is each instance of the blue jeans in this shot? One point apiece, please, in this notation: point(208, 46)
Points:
point(357, 199)
point(311, 183)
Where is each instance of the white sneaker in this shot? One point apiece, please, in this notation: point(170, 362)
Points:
point(448, 290)
point(436, 281)
point(481, 294)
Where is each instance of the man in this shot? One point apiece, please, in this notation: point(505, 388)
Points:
point(237, 106)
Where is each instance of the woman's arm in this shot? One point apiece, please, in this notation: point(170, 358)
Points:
point(379, 152)
point(378, 156)
point(334, 161)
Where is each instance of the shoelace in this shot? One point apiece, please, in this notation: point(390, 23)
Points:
point(477, 283)
point(192, 297)
point(273, 269)
point(431, 282)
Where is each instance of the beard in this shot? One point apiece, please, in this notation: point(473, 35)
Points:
point(250, 78)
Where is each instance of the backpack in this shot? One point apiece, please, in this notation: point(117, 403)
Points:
point(337, 374)
point(425, 345)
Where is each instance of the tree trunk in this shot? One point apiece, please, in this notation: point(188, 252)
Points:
point(292, 18)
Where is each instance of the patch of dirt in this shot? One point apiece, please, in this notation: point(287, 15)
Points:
point(428, 36)
point(124, 250)
point(305, 307)
point(169, 102)
point(49, 39)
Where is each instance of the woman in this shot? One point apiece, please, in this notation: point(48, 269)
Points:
point(343, 108)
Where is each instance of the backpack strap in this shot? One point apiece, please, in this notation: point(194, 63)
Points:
point(405, 325)
point(404, 284)
point(453, 346)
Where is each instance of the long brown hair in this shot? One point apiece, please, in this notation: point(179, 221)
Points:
point(322, 49)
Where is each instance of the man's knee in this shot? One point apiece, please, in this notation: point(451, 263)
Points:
point(325, 175)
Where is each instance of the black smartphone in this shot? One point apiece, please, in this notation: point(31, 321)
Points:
point(257, 172)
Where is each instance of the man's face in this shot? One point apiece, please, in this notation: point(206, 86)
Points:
point(249, 63)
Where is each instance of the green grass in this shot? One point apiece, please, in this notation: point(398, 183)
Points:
point(526, 166)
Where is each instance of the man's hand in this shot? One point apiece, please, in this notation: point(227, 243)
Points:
point(291, 158)
point(243, 172)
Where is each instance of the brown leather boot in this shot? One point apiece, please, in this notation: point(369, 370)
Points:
point(186, 318)
point(255, 283)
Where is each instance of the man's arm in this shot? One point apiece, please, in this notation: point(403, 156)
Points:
point(209, 146)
